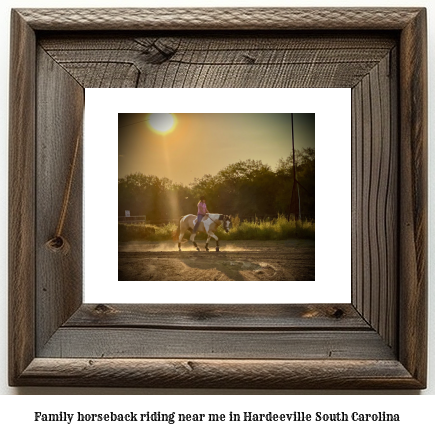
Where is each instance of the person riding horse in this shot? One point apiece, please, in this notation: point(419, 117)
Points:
point(202, 211)
point(210, 222)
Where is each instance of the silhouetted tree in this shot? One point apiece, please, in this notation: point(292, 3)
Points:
point(245, 188)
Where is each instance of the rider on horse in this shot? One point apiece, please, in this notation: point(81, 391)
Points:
point(202, 211)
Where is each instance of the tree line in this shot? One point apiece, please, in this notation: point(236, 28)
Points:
point(246, 188)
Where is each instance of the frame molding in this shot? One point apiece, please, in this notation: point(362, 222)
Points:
point(377, 341)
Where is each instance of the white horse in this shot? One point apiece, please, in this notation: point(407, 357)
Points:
point(209, 223)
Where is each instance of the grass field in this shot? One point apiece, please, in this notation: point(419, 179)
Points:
point(275, 229)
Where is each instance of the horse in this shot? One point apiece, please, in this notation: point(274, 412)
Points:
point(209, 223)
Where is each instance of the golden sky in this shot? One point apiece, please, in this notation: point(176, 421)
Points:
point(204, 143)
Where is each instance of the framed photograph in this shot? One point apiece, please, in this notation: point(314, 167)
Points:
point(216, 182)
point(242, 162)
point(59, 338)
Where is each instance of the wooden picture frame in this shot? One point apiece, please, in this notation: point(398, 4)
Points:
point(376, 342)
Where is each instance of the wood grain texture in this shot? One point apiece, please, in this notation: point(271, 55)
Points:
point(413, 188)
point(21, 197)
point(220, 317)
point(357, 227)
point(379, 342)
point(220, 18)
point(95, 342)
point(236, 60)
point(375, 198)
point(228, 374)
point(391, 224)
point(60, 105)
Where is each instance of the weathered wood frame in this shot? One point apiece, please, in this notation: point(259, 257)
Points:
point(378, 341)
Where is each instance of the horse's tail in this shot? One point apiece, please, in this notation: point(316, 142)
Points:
point(178, 231)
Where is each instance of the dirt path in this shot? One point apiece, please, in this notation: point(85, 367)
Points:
point(237, 260)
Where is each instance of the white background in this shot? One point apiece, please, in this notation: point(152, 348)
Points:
point(332, 108)
point(18, 410)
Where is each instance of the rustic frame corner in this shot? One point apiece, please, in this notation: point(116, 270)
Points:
point(376, 342)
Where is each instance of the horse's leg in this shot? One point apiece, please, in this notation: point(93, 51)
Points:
point(217, 240)
point(192, 238)
point(195, 229)
point(206, 243)
point(179, 240)
point(196, 245)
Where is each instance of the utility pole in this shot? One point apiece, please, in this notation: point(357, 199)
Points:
point(295, 201)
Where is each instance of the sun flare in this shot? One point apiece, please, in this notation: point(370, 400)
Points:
point(162, 123)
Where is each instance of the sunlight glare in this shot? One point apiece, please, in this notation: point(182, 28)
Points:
point(162, 123)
